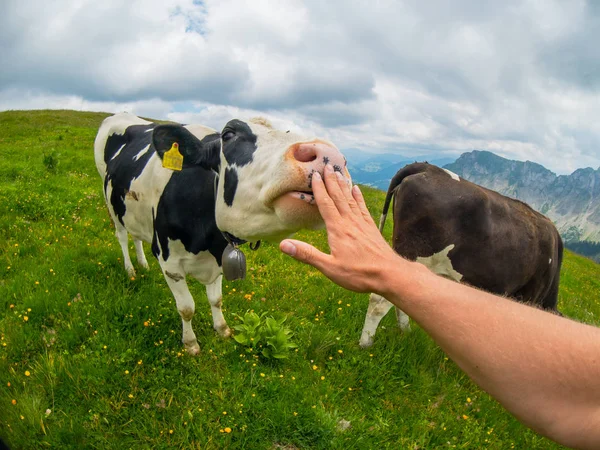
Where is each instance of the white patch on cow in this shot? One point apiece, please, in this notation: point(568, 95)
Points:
point(148, 188)
point(142, 152)
point(118, 152)
point(440, 264)
point(202, 266)
point(452, 174)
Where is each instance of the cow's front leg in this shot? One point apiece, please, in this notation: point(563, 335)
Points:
point(378, 308)
point(214, 292)
point(185, 305)
point(403, 320)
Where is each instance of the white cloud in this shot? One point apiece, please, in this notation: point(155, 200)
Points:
point(520, 78)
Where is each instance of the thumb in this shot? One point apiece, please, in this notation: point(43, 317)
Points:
point(303, 252)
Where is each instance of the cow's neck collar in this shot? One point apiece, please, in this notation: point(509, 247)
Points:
point(233, 240)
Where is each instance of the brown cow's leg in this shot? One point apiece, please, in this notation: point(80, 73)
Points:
point(378, 308)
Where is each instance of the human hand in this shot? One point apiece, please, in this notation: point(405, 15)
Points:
point(359, 253)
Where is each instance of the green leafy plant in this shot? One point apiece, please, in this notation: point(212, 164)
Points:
point(277, 338)
point(268, 334)
point(51, 160)
point(249, 330)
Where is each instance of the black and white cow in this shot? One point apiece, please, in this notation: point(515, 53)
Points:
point(250, 182)
point(470, 234)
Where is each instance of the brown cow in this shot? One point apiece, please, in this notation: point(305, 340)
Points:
point(470, 234)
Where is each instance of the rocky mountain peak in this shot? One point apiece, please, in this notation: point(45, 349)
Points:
point(571, 201)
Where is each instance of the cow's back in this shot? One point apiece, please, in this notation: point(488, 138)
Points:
point(113, 126)
point(499, 244)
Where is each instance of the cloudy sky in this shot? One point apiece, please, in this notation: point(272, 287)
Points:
point(517, 77)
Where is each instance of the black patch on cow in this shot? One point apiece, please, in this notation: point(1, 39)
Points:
point(155, 246)
point(203, 152)
point(186, 212)
point(123, 168)
point(310, 178)
point(113, 143)
point(230, 185)
point(239, 143)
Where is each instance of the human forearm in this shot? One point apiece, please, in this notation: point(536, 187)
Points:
point(543, 368)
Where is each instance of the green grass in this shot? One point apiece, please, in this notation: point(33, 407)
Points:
point(73, 321)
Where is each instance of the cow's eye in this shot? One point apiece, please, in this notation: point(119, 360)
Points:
point(228, 135)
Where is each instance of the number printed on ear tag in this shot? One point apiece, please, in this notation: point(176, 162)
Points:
point(234, 263)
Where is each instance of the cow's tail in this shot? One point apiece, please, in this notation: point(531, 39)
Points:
point(406, 171)
point(551, 300)
point(100, 143)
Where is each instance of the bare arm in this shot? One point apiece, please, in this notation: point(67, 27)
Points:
point(542, 368)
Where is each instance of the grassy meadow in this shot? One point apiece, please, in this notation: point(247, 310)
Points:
point(90, 358)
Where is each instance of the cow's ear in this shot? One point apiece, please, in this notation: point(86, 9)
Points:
point(195, 152)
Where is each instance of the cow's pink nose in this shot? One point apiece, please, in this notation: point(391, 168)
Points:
point(317, 154)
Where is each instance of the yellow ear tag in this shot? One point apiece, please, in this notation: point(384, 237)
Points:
point(172, 159)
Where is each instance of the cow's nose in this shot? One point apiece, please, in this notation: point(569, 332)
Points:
point(315, 155)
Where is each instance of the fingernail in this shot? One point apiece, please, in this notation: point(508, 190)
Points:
point(328, 168)
point(288, 248)
point(316, 175)
point(356, 189)
point(339, 175)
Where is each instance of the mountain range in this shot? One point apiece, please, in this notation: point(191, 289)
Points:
point(377, 169)
point(572, 201)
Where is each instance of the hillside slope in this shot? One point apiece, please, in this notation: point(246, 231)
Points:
point(90, 358)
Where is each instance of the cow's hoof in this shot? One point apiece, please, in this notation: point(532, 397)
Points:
point(224, 332)
point(365, 342)
point(193, 348)
point(130, 272)
point(145, 265)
